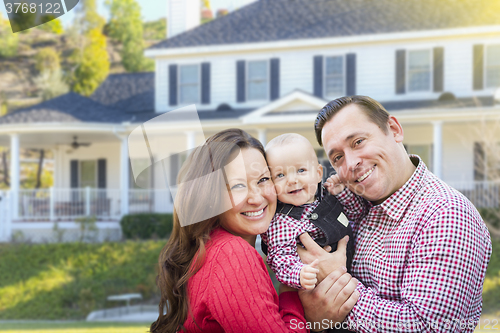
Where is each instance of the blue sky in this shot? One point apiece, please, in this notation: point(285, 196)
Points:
point(150, 9)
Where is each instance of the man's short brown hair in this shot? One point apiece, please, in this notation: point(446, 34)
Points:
point(373, 109)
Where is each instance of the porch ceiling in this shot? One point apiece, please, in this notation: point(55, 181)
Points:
point(51, 139)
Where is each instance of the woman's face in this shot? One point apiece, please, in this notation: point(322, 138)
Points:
point(252, 193)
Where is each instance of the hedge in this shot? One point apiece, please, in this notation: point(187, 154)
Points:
point(69, 280)
point(146, 225)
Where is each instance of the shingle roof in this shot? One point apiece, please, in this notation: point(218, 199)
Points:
point(273, 20)
point(70, 107)
point(130, 92)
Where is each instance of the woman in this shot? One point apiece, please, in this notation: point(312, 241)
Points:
point(211, 277)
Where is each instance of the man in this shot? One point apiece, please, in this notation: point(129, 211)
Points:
point(421, 248)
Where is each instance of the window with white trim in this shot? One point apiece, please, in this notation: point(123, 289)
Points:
point(258, 80)
point(88, 173)
point(492, 67)
point(334, 76)
point(189, 84)
point(419, 70)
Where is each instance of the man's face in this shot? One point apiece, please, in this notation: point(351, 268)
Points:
point(368, 161)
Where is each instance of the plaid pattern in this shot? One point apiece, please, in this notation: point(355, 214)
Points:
point(282, 238)
point(420, 257)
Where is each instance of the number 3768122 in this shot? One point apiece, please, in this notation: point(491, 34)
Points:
point(43, 8)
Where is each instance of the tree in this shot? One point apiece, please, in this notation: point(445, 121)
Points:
point(88, 17)
point(485, 194)
point(155, 30)
point(51, 84)
point(93, 64)
point(8, 40)
point(125, 26)
point(47, 59)
point(55, 26)
point(90, 59)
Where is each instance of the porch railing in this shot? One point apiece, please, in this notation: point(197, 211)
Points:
point(67, 204)
point(483, 194)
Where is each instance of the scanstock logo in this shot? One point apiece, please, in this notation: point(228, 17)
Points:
point(28, 14)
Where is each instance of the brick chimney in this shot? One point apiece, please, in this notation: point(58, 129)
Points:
point(182, 15)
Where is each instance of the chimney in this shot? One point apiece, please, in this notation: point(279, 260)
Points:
point(182, 15)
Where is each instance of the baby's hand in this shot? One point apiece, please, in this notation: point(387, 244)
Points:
point(333, 185)
point(308, 275)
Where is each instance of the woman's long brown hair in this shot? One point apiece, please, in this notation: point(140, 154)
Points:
point(184, 253)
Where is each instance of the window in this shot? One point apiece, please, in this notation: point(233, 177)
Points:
point(493, 66)
point(258, 80)
point(419, 70)
point(189, 84)
point(334, 76)
point(88, 173)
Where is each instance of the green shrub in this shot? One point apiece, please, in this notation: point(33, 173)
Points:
point(69, 280)
point(146, 225)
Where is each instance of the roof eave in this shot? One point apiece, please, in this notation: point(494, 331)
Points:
point(314, 42)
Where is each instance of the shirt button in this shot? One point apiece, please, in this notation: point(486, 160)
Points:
point(354, 263)
point(314, 216)
point(369, 228)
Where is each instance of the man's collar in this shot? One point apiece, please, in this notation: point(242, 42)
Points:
point(396, 204)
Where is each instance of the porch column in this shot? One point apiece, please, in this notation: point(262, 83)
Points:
point(125, 175)
point(191, 140)
point(437, 156)
point(14, 174)
point(263, 136)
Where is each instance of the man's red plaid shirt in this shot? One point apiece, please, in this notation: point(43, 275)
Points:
point(420, 257)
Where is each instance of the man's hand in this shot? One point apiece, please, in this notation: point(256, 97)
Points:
point(332, 299)
point(334, 185)
point(328, 262)
point(308, 275)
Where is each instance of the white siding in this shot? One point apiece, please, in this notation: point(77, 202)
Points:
point(375, 70)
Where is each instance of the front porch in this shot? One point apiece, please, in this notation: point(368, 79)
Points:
point(45, 214)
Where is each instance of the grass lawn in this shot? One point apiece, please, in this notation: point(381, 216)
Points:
point(487, 324)
point(73, 327)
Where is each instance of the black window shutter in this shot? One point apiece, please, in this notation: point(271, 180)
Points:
point(350, 74)
point(172, 84)
point(101, 173)
point(400, 71)
point(479, 161)
point(74, 173)
point(438, 69)
point(478, 67)
point(205, 83)
point(275, 79)
point(318, 76)
point(240, 81)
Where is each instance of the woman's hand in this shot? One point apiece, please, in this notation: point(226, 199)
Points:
point(332, 299)
point(328, 262)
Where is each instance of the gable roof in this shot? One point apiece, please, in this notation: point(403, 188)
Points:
point(130, 92)
point(274, 20)
point(70, 107)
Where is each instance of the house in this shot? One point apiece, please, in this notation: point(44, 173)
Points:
point(268, 68)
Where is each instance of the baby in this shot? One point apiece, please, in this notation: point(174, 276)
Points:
point(303, 206)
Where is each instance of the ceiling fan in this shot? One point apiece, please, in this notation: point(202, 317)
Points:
point(75, 144)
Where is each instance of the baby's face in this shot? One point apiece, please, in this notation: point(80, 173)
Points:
point(295, 172)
